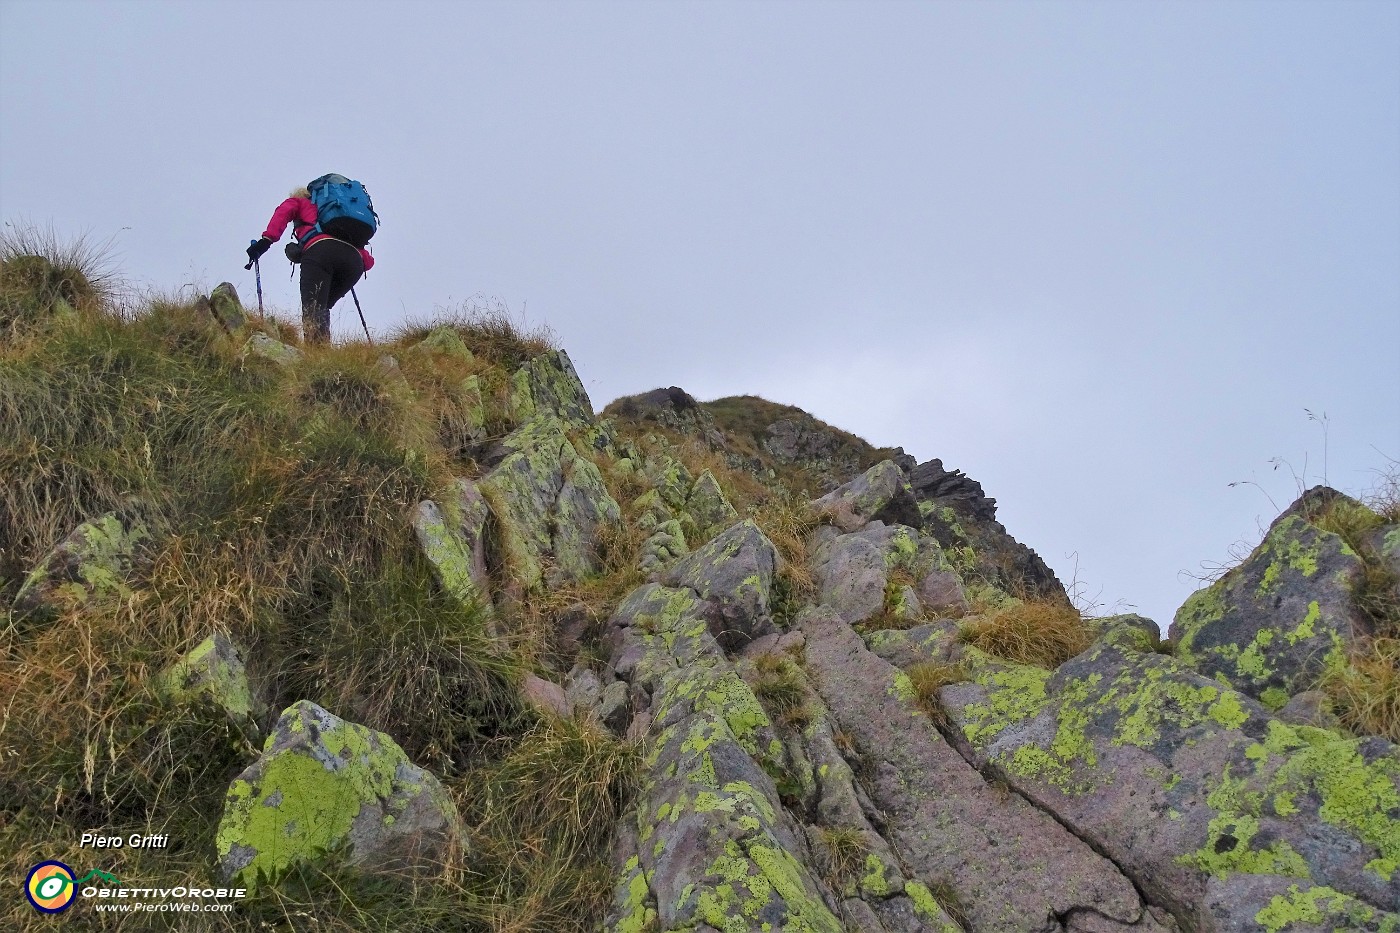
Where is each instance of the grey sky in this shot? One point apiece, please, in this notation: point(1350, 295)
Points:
point(1099, 256)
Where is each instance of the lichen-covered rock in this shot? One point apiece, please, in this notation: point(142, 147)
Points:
point(853, 570)
point(228, 310)
point(455, 545)
point(92, 563)
point(549, 387)
point(550, 504)
point(1271, 626)
point(1129, 631)
point(263, 346)
point(445, 340)
point(734, 571)
point(1268, 903)
point(880, 493)
point(671, 480)
point(1010, 866)
point(665, 544)
point(324, 785)
point(709, 844)
point(213, 672)
point(1180, 780)
point(708, 505)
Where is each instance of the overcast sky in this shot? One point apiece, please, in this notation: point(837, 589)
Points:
point(1100, 256)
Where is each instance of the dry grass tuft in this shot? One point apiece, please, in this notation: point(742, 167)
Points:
point(1365, 693)
point(844, 856)
point(781, 687)
point(928, 677)
point(1039, 633)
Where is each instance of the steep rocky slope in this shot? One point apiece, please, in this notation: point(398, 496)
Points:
point(724, 667)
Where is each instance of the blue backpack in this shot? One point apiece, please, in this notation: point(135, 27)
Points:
point(343, 209)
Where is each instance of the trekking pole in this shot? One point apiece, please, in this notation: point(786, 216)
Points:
point(362, 315)
point(256, 264)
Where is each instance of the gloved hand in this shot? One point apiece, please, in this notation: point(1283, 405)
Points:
point(257, 248)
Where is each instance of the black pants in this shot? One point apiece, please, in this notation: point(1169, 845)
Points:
point(329, 269)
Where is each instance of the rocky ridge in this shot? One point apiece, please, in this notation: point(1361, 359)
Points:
point(836, 754)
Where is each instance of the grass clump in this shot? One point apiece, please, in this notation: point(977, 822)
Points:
point(43, 278)
point(542, 818)
point(781, 687)
point(844, 856)
point(489, 330)
point(1040, 633)
point(1365, 693)
point(929, 677)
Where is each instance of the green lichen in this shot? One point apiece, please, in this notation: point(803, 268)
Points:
point(902, 688)
point(1305, 628)
point(1014, 694)
point(874, 882)
point(1274, 698)
point(1317, 906)
point(927, 908)
point(639, 915)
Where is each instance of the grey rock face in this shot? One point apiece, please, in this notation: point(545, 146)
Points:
point(949, 827)
point(1270, 625)
point(1181, 781)
point(710, 844)
point(455, 546)
point(881, 493)
point(326, 785)
point(734, 571)
point(550, 502)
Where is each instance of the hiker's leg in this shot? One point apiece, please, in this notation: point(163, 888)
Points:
point(315, 294)
point(346, 269)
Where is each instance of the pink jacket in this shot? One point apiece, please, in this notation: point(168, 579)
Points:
point(301, 213)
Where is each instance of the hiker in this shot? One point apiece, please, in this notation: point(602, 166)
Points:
point(332, 220)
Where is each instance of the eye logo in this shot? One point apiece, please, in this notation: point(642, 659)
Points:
point(50, 887)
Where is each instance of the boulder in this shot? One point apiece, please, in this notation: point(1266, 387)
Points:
point(324, 785)
point(1272, 625)
point(228, 310)
point(853, 569)
point(261, 345)
point(880, 493)
point(92, 563)
point(734, 572)
point(447, 341)
point(665, 544)
point(546, 697)
point(213, 672)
